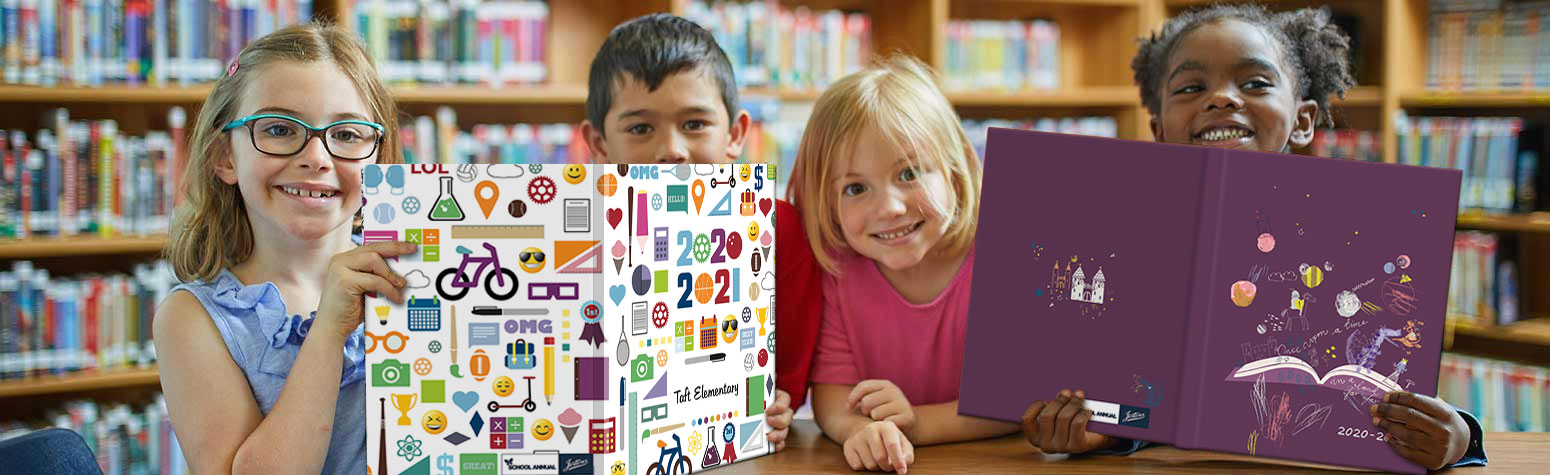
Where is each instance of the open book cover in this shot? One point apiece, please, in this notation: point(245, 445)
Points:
point(1226, 300)
point(608, 319)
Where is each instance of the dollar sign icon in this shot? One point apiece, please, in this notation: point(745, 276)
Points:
point(444, 463)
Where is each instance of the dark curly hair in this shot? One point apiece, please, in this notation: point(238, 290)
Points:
point(1317, 50)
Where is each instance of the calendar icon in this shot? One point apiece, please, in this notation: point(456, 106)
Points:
point(424, 314)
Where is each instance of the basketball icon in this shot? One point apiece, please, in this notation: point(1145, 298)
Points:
point(703, 288)
point(607, 184)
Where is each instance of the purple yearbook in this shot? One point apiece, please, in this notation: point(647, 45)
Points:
point(1226, 300)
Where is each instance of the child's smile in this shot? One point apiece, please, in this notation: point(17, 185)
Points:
point(1228, 86)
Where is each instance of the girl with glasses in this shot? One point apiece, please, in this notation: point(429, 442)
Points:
point(262, 353)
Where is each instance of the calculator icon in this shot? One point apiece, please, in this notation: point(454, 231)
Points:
point(424, 314)
point(660, 236)
point(600, 436)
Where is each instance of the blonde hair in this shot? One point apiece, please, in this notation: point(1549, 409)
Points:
point(210, 230)
point(898, 95)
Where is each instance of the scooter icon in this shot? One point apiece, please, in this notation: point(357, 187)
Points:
point(526, 403)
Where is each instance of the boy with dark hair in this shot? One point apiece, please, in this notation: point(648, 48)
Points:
point(662, 91)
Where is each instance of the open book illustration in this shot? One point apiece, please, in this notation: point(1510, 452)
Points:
point(571, 319)
point(1228, 300)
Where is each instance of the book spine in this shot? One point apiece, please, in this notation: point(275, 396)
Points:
point(1192, 372)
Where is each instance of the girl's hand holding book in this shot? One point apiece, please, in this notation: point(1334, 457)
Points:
point(353, 273)
point(1060, 426)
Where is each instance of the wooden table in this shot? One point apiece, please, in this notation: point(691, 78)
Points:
point(808, 451)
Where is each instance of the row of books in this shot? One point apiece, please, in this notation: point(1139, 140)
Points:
point(1097, 126)
point(1482, 45)
point(1348, 143)
point(126, 439)
point(1498, 175)
point(1002, 55)
point(461, 41)
point(1483, 286)
point(85, 176)
point(441, 140)
point(1504, 396)
point(51, 325)
point(156, 42)
point(775, 46)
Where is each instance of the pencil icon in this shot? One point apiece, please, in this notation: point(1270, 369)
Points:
point(548, 370)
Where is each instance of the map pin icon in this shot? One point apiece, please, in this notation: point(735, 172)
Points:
point(698, 191)
point(486, 204)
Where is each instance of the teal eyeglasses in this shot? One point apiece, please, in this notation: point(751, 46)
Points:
point(283, 135)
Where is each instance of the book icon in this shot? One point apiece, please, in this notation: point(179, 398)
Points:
point(1293, 370)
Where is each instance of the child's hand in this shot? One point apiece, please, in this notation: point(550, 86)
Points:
point(881, 400)
point(778, 416)
point(1422, 429)
point(880, 445)
point(350, 275)
point(1060, 426)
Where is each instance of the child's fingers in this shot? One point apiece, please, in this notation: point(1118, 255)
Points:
point(375, 283)
point(369, 263)
point(878, 453)
point(861, 390)
point(1031, 422)
point(1063, 437)
point(778, 421)
point(782, 399)
point(1411, 417)
point(389, 249)
point(1414, 453)
point(853, 458)
point(887, 409)
point(1426, 404)
point(1079, 430)
point(1047, 423)
point(895, 448)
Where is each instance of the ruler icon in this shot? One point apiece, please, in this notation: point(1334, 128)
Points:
point(497, 231)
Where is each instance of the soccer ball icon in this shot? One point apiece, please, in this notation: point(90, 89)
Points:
point(411, 205)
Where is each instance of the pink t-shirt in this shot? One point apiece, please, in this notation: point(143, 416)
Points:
point(869, 331)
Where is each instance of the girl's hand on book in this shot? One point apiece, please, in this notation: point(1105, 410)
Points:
point(1422, 429)
point(1060, 426)
point(778, 416)
point(353, 273)
point(879, 446)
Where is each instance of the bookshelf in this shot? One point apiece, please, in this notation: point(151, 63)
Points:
point(1096, 44)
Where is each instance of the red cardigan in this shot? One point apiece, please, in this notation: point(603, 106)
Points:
point(798, 303)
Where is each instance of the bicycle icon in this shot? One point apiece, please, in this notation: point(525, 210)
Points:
point(461, 282)
point(680, 467)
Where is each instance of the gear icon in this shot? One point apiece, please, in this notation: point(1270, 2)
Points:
point(701, 248)
point(411, 205)
point(535, 168)
point(661, 357)
point(659, 315)
point(770, 342)
point(541, 189)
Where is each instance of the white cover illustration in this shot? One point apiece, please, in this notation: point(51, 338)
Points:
point(571, 318)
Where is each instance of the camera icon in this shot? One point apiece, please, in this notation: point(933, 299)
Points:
point(390, 373)
point(641, 368)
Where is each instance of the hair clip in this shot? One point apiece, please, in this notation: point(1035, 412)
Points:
point(232, 69)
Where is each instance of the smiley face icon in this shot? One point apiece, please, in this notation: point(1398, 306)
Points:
point(574, 174)
point(503, 386)
point(729, 329)
point(434, 422)
point(744, 170)
point(543, 429)
point(753, 231)
point(532, 260)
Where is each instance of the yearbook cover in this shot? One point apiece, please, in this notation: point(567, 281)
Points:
point(608, 319)
point(1226, 300)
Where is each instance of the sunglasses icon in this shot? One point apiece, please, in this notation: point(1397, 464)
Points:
point(401, 339)
point(534, 256)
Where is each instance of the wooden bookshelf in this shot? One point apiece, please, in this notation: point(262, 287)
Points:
point(79, 246)
point(104, 95)
point(1506, 222)
point(1475, 99)
point(79, 382)
point(1525, 341)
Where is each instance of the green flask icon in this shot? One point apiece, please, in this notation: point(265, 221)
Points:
point(446, 208)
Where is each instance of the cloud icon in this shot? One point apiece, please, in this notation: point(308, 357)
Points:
point(768, 283)
point(704, 169)
point(417, 280)
point(504, 171)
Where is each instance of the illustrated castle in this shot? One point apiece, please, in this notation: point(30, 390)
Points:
point(1077, 288)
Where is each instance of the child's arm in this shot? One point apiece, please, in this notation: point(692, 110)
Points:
point(1427, 431)
point(1060, 426)
point(868, 444)
point(941, 424)
point(202, 384)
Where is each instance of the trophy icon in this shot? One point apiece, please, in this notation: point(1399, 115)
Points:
point(763, 315)
point(404, 402)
